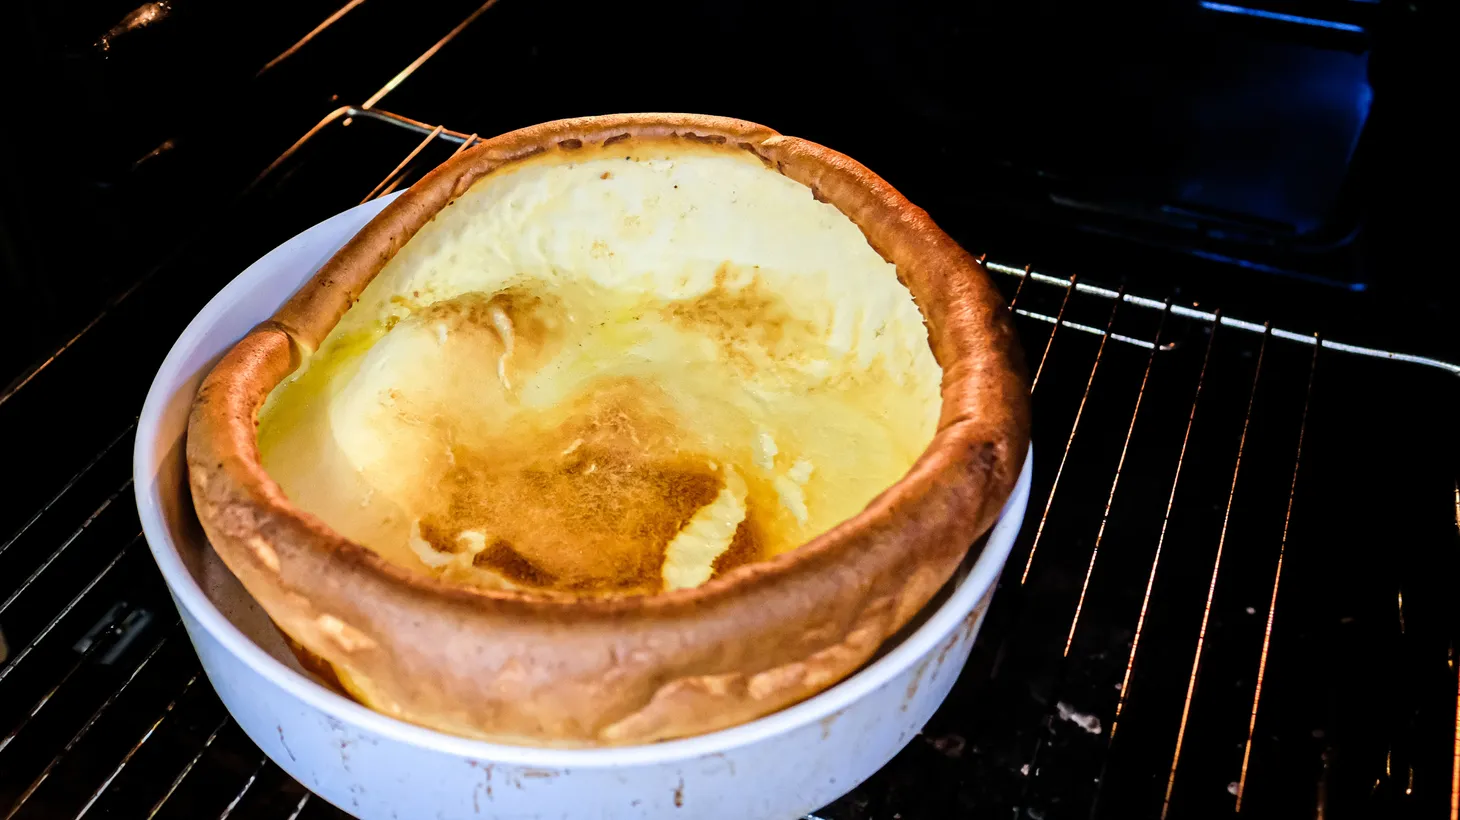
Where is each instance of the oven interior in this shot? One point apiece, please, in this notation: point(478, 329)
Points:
point(1233, 592)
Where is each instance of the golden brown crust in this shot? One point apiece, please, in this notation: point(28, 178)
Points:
point(547, 671)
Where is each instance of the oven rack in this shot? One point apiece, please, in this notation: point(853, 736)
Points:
point(1159, 628)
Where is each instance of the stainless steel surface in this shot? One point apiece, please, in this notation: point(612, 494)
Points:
point(1215, 317)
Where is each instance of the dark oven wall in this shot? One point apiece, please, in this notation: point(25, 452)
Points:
point(1268, 159)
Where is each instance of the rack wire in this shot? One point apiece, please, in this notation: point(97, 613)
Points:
point(1122, 607)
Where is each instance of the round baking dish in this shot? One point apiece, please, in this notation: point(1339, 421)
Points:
point(780, 765)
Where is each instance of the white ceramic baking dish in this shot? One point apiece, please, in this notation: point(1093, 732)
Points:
point(373, 766)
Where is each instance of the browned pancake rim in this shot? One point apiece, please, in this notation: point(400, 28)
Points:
point(557, 670)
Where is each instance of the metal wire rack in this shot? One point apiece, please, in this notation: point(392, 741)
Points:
point(1231, 595)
